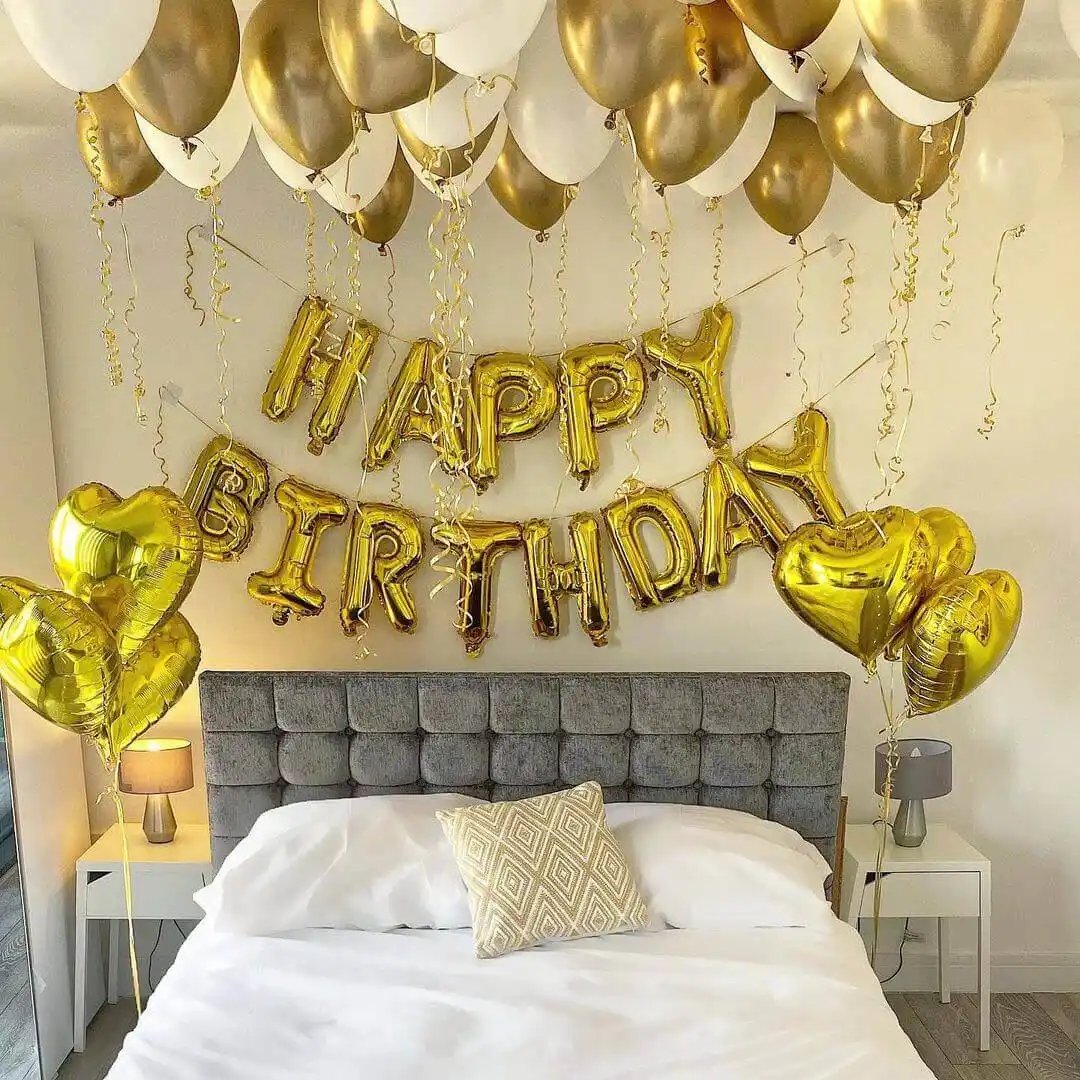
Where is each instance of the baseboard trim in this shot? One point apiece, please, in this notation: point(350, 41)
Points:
point(1016, 973)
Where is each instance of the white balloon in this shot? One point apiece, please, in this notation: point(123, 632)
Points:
point(357, 177)
point(901, 100)
point(491, 38)
point(84, 45)
point(218, 147)
point(433, 16)
point(738, 161)
point(829, 57)
point(559, 128)
point(472, 178)
point(445, 118)
point(289, 172)
point(1013, 151)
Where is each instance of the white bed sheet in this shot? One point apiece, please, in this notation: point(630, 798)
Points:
point(748, 1004)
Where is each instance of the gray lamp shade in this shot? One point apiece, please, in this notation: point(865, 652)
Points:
point(923, 769)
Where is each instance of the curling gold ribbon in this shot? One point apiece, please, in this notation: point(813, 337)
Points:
point(189, 276)
point(304, 197)
point(663, 266)
point(138, 391)
point(125, 861)
point(530, 295)
point(847, 291)
point(158, 447)
point(715, 205)
point(989, 420)
point(113, 368)
point(800, 319)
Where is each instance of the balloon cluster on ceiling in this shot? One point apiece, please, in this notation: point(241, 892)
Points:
point(355, 99)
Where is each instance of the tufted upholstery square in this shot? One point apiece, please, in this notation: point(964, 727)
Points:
point(768, 744)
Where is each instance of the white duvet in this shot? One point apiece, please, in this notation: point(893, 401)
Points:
point(747, 1004)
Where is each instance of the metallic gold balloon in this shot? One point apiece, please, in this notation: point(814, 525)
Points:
point(291, 85)
point(959, 637)
point(419, 405)
point(515, 397)
point(385, 549)
point(187, 68)
point(58, 657)
point(132, 560)
point(154, 681)
point(619, 52)
point(956, 543)
point(282, 393)
point(858, 582)
point(802, 469)
point(112, 146)
point(524, 192)
point(688, 121)
point(377, 65)
point(582, 575)
point(227, 485)
point(625, 517)
point(735, 514)
point(698, 364)
point(718, 46)
point(586, 409)
point(790, 184)
point(381, 220)
point(882, 155)
point(477, 545)
point(944, 51)
point(786, 24)
point(287, 586)
point(444, 161)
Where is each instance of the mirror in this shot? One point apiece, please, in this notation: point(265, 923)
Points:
point(18, 1031)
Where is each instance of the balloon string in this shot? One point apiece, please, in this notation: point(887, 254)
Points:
point(847, 294)
point(158, 448)
point(189, 277)
point(948, 286)
point(715, 205)
point(800, 319)
point(888, 378)
point(530, 296)
point(989, 419)
point(138, 391)
point(125, 859)
point(663, 266)
point(304, 197)
point(395, 466)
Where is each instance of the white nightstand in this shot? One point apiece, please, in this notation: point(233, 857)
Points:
point(944, 878)
point(163, 879)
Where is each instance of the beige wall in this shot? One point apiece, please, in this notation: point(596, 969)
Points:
point(1016, 743)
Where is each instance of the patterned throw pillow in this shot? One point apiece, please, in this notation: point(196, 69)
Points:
point(542, 869)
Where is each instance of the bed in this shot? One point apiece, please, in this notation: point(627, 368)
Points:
point(779, 1002)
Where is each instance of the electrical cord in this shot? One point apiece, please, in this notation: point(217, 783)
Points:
point(157, 942)
point(899, 966)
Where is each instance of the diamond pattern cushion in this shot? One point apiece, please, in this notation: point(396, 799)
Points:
point(542, 869)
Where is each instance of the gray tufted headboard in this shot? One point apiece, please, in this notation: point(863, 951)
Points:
point(770, 744)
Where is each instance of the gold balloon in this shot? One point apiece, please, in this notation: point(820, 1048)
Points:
point(187, 68)
point(282, 393)
point(291, 85)
point(381, 220)
point(787, 24)
point(790, 184)
point(625, 517)
point(956, 544)
point(58, 657)
point(858, 582)
point(720, 49)
point(419, 405)
point(735, 514)
point(619, 52)
point(687, 122)
point(374, 58)
point(287, 586)
point(155, 680)
point(477, 546)
point(586, 409)
point(445, 161)
point(132, 560)
point(959, 637)
point(227, 485)
point(803, 469)
point(582, 575)
point(524, 192)
point(944, 51)
point(386, 546)
point(698, 364)
point(882, 155)
point(112, 146)
point(515, 397)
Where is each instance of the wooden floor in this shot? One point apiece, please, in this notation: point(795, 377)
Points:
point(1034, 1036)
point(18, 1042)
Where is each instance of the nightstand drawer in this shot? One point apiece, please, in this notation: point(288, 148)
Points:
point(924, 894)
point(161, 893)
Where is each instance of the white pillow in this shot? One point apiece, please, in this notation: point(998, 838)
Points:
point(706, 868)
point(371, 863)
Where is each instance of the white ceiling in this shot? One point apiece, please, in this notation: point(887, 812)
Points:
point(1040, 59)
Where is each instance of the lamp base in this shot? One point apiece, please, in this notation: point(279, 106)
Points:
point(159, 822)
point(909, 825)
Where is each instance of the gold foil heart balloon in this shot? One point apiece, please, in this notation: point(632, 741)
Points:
point(857, 583)
point(57, 656)
point(956, 543)
point(132, 560)
point(959, 637)
point(155, 680)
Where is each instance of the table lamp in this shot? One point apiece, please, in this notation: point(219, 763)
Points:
point(154, 768)
point(922, 770)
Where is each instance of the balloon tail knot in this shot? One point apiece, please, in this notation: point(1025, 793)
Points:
point(362, 121)
point(383, 249)
point(315, 176)
point(610, 120)
point(797, 61)
point(114, 201)
point(188, 146)
point(542, 236)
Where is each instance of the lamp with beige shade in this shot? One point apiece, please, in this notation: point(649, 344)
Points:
point(155, 768)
